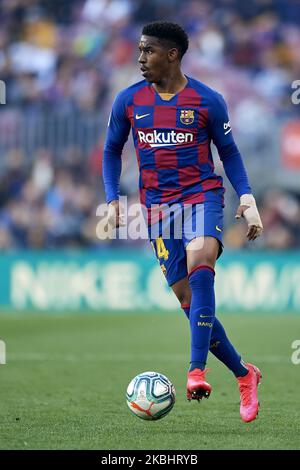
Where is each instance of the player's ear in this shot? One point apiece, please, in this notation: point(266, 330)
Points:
point(173, 54)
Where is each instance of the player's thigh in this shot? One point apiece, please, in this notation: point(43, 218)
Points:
point(172, 258)
point(202, 251)
point(204, 243)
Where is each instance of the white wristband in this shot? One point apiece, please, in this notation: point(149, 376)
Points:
point(251, 214)
point(247, 200)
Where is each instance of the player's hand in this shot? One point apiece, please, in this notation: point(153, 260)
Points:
point(248, 210)
point(115, 218)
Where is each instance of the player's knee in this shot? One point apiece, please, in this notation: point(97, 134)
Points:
point(202, 261)
point(182, 291)
point(202, 252)
point(184, 299)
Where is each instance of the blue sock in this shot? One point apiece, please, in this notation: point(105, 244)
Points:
point(202, 314)
point(186, 309)
point(221, 347)
point(194, 364)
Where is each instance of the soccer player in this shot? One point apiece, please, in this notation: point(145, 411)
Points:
point(174, 118)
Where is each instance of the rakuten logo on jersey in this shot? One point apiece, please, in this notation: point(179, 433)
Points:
point(165, 138)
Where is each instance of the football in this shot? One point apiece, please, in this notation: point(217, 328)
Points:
point(150, 395)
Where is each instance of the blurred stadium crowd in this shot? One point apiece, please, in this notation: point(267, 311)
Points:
point(64, 61)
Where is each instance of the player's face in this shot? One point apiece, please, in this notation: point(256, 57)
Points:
point(153, 59)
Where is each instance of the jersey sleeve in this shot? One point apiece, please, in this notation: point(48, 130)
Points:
point(117, 135)
point(221, 135)
point(219, 123)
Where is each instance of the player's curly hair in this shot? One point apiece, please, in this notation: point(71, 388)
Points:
point(171, 33)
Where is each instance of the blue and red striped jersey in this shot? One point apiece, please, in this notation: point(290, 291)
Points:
point(173, 143)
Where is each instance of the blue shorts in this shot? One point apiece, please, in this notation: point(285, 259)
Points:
point(170, 237)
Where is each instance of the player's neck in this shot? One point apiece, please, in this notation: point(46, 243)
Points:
point(174, 83)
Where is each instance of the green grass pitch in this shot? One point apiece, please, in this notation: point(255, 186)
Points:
point(64, 383)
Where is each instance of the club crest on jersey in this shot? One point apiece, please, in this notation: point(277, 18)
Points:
point(187, 116)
